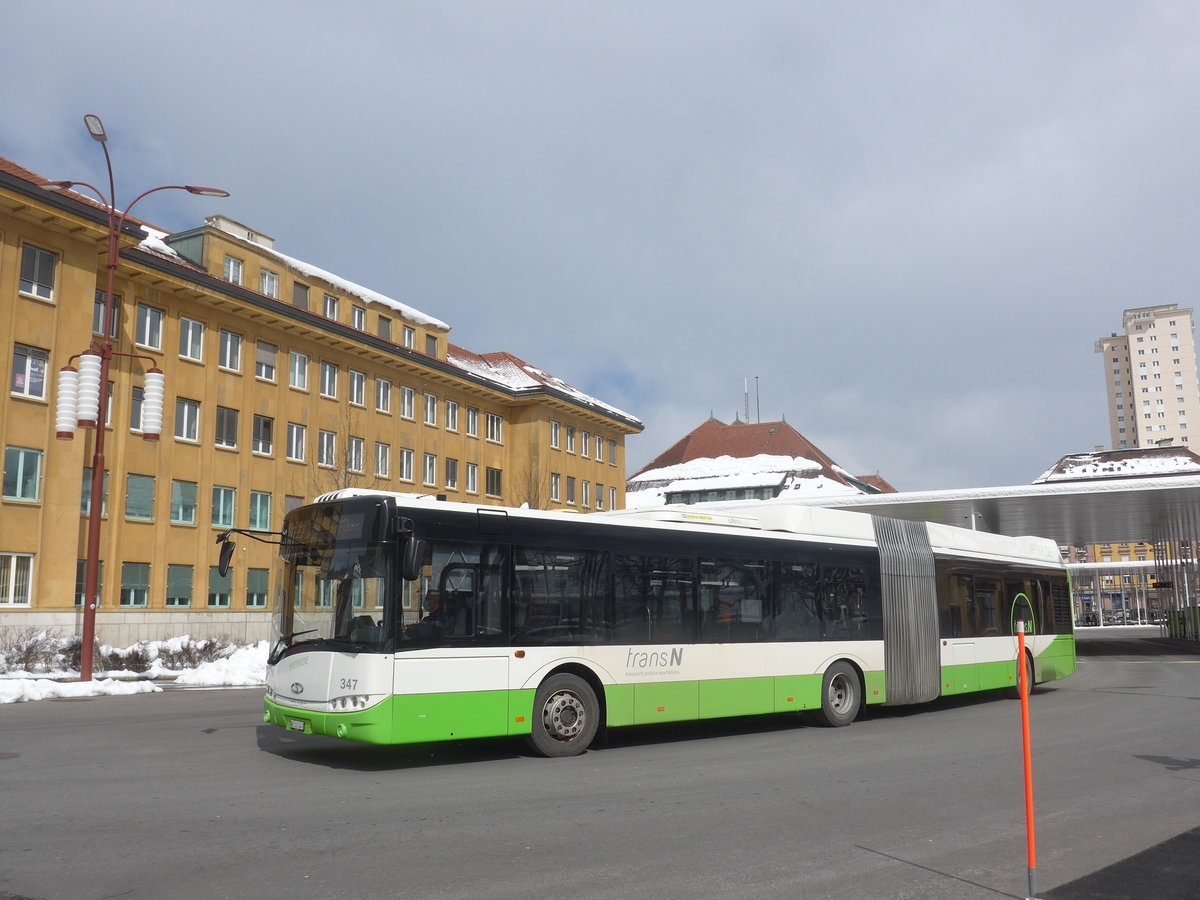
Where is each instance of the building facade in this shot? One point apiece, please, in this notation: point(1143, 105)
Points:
point(283, 381)
point(1150, 373)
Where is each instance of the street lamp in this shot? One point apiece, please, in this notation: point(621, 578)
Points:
point(103, 349)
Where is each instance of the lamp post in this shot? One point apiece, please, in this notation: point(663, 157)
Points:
point(104, 349)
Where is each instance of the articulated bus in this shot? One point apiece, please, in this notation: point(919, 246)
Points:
point(408, 619)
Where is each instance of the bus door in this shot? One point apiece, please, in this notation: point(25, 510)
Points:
point(960, 669)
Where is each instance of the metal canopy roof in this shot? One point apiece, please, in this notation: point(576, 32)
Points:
point(1164, 508)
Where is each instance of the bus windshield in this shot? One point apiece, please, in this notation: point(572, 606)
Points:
point(336, 582)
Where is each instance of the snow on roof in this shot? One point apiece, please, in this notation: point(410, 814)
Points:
point(518, 375)
point(731, 467)
point(346, 286)
point(1121, 464)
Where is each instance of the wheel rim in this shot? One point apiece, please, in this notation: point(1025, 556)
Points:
point(564, 715)
point(840, 693)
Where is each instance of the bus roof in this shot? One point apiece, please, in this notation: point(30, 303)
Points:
point(768, 518)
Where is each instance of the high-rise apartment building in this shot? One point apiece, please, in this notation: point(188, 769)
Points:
point(282, 381)
point(1150, 371)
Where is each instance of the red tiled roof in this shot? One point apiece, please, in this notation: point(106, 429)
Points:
point(714, 439)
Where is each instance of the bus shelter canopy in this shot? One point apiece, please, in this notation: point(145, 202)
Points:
point(1082, 512)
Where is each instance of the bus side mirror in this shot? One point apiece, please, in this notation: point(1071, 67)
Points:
point(227, 548)
point(413, 559)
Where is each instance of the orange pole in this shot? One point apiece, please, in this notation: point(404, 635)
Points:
point(1023, 688)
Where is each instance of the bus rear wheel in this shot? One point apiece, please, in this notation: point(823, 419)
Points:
point(565, 716)
point(1015, 691)
point(841, 696)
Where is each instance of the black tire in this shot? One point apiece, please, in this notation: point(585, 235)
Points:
point(841, 696)
point(1015, 691)
point(566, 716)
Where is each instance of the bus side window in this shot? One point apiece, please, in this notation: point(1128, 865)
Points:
point(796, 618)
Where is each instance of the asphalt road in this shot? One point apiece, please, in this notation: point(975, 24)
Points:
point(185, 794)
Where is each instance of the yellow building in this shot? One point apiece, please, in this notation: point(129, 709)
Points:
point(282, 381)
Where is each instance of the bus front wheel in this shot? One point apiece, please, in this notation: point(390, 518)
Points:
point(841, 696)
point(565, 716)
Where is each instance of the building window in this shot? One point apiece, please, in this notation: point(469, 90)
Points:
point(268, 283)
point(85, 495)
point(29, 371)
point(451, 415)
point(354, 454)
point(451, 474)
point(257, 581)
point(585, 441)
point(385, 328)
point(139, 497)
point(472, 422)
point(570, 438)
point(264, 360)
point(494, 485)
point(571, 490)
point(408, 402)
point(555, 487)
point(149, 327)
point(187, 419)
point(431, 406)
point(98, 314)
point(472, 478)
point(233, 269)
point(431, 346)
point(410, 337)
point(295, 442)
point(183, 502)
point(600, 496)
point(495, 428)
point(191, 339)
point(300, 295)
point(329, 376)
point(16, 578)
point(358, 387)
point(135, 409)
point(406, 464)
point(298, 371)
point(224, 501)
point(81, 581)
point(260, 511)
point(264, 435)
point(555, 428)
point(383, 459)
point(326, 448)
point(227, 427)
point(585, 494)
point(37, 272)
point(612, 498)
point(135, 584)
point(331, 307)
point(358, 318)
point(179, 585)
point(219, 587)
point(231, 351)
point(383, 395)
point(430, 476)
point(22, 474)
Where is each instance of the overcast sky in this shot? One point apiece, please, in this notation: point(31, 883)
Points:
point(907, 222)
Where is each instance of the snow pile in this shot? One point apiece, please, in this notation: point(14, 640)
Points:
point(234, 667)
point(245, 667)
point(19, 690)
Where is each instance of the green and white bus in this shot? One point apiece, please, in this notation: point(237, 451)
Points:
point(409, 619)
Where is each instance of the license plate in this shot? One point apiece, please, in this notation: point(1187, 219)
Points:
point(295, 725)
